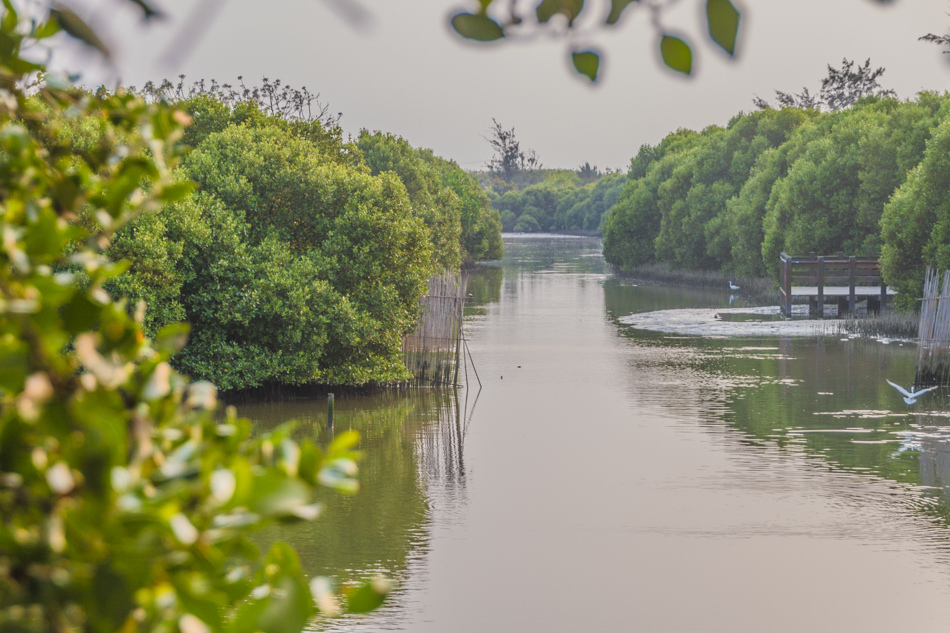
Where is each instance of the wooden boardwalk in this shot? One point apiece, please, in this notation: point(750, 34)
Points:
point(843, 280)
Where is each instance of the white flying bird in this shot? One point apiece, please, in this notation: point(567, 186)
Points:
point(910, 397)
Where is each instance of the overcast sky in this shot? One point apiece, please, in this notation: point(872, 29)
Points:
point(406, 73)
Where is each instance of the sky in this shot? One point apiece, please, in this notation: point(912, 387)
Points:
point(406, 73)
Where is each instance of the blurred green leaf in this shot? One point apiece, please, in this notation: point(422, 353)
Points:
point(290, 604)
point(310, 460)
point(549, 8)
point(113, 612)
point(172, 338)
point(616, 9)
point(367, 596)
point(205, 608)
point(477, 27)
point(676, 54)
point(176, 191)
point(276, 494)
point(46, 29)
point(76, 27)
point(723, 20)
point(81, 313)
point(586, 63)
point(344, 442)
point(340, 474)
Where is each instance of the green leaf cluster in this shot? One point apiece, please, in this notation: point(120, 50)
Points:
point(125, 499)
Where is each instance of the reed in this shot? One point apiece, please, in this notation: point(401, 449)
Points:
point(431, 352)
point(889, 324)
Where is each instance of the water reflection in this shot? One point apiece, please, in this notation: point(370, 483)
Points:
point(617, 479)
point(825, 398)
point(413, 443)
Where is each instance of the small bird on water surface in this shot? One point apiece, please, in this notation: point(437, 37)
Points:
point(910, 397)
point(732, 286)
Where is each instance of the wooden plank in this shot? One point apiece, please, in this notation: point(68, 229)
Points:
point(860, 291)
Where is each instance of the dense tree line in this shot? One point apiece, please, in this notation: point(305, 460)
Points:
point(556, 200)
point(865, 180)
point(301, 257)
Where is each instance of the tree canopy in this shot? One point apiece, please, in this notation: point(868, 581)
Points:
point(796, 180)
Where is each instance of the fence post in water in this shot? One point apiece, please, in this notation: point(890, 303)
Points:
point(330, 411)
point(787, 284)
point(821, 288)
point(852, 299)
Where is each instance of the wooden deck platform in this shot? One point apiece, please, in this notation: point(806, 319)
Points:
point(835, 279)
point(840, 291)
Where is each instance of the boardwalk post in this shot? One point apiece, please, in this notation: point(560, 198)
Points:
point(787, 284)
point(821, 287)
point(852, 300)
point(330, 411)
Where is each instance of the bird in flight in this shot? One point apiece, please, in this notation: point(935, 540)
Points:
point(910, 397)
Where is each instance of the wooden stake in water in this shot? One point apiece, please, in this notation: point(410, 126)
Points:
point(330, 411)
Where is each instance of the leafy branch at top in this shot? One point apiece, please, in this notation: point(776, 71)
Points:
point(561, 18)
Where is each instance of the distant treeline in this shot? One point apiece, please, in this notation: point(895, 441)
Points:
point(300, 257)
point(870, 180)
point(553, 200)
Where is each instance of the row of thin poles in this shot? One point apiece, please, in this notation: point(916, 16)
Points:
point(933, 352)
point(431, 352)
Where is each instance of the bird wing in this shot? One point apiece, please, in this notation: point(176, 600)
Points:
point(902, 390)
point(917, 394)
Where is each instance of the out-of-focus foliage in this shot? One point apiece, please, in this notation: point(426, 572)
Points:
point(795, 180)
point(494, 21)
point(125, 502)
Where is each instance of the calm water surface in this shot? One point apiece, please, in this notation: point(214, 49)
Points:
point(610, 479)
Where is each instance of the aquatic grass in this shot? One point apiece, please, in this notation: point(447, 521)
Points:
point(890, 324)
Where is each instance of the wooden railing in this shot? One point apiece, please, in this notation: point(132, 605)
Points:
point(844, 278)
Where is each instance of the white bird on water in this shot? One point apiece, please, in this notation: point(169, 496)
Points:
point(732, 286)
point(910, 397)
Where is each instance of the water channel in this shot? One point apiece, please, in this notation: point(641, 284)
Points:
point(613, 479)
